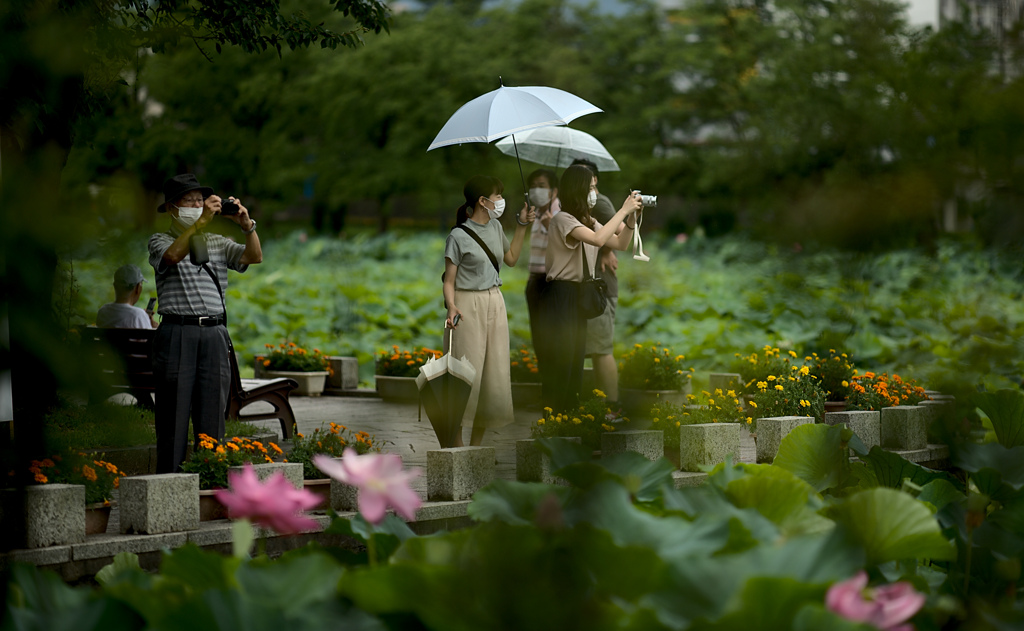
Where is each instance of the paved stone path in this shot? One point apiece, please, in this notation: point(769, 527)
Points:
point(397, 423)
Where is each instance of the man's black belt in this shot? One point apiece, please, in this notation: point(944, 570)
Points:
point(216, 320)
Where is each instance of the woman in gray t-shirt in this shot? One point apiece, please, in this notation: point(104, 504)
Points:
point(471, 291)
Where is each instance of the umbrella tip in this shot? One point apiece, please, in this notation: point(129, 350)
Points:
point(501, 84)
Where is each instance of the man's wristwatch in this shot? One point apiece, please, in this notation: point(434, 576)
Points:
point(252, 228)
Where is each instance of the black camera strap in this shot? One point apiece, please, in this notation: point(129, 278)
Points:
point(487, 250)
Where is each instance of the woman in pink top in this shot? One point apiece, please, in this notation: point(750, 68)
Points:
point(563, 330)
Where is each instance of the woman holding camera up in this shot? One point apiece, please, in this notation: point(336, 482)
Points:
point(476, 308)
point(573, 234)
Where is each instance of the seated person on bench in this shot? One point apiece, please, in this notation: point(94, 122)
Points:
point(122, 313)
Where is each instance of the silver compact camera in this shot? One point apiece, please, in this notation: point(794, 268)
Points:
point(648, 200)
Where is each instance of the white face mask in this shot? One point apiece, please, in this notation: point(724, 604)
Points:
point(499, 208)
point(540, 196)
point(188, 216)
point(591, 199)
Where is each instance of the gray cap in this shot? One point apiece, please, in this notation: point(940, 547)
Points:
point(127, 277)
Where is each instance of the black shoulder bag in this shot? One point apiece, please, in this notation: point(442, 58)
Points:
point(483, 246)
point(593, 291)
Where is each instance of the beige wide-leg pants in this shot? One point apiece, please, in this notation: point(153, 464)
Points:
point(482, 337)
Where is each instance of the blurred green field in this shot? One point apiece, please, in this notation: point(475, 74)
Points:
point(949, 316)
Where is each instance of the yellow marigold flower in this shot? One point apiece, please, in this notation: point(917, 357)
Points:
point(576, 421)
point(655, 420)
point(749, 420)
point(657, 361)
point(540, 421)
point(599, 394)
point(804, 370)
point(792, 354)
point(762, 385)
point(779, 387)
point(711, 401)
point(753, 405)
point(730, 393)
point(771, 377)
point(607, 427)
point(548, 410)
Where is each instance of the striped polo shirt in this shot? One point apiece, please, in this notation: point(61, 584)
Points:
point(186, 289)
point(539, 240)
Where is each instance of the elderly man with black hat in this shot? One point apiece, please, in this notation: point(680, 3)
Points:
point(191, 349)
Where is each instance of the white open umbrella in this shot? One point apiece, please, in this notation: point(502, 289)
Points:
point(509, 111)
point(558, 147)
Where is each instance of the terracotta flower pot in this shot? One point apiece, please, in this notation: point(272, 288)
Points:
point(321, 488)
point(210, 507)
point(97, 516)
point(835, 406)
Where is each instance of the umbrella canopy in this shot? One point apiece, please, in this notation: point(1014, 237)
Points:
point(507, 111)
point(445, 385)
point(558, 147)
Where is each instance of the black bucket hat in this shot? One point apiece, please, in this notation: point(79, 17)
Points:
point(178, 185)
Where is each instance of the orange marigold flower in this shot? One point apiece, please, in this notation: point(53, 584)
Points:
point(88, 473)
point(276, 448)
point(266, 362)
point(117, 483)
point(40, 478)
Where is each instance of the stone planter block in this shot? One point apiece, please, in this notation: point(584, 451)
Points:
point(311, 384)
point(154, 504)
point(526, 394)
point(904, 427)
point(457, 473)
point(292, 471)
point(532, 465)
point(707, 444)
point(725, 381)
point(866, 424)
point(937, 408)
point(648, 443)
point(771, 431)
point(640, 401)
point(346, 373)
point(398, 389)
point(47, 515)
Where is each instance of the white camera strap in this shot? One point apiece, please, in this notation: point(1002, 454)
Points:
point(638, 243)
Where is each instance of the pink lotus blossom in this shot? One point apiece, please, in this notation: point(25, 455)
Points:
point(885, 607)
point(380, 480)
point(275, 504)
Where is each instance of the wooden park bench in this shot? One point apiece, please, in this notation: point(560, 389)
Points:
point(125, 361)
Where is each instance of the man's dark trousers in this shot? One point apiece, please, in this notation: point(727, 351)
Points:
point(193, 376)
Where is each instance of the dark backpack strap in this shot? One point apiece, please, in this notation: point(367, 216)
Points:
point(476, 237)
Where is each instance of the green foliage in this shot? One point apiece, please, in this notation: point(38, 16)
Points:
point(523, 366)
point(98, 477)
point(793, 394)
point(587, 421)
point(211, 459)
point(834, 373)
point(872, 391)
point(403, 363)
point(289, 356)
point(1005, 410)
point(653, 368)
point(330, 442)
point(106, 425)
point(717, 407)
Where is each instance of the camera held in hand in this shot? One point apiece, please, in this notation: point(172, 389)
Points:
point(648, 200)
point(228, 207)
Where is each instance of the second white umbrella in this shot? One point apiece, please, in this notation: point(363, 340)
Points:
point(558, 147)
